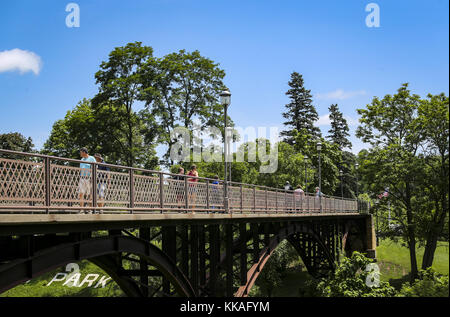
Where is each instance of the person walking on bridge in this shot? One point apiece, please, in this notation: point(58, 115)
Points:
point(193, 185)
point(287, 186)
point(298, 194)
point(84, 186)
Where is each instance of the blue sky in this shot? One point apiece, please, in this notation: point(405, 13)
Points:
point(258, 43)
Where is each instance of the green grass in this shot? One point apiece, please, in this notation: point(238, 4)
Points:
point(393, 260)
point(37, 287)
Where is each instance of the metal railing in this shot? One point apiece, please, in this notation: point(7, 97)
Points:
point(36, 183)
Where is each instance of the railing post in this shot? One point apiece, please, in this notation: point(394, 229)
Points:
point(161, 191)
point(131, 175)
point(266, 199)
point(207, 196)
point(285, 201)
point(254, 199)
point(276, 200)
point(47, 183)
point(242, 199)
point(186, 202)
point(294, 203)
point(94, 186)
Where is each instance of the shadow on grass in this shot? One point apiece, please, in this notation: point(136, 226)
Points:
point(398, 282)
point(295, 283)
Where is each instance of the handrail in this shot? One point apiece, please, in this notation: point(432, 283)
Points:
point(55, 188)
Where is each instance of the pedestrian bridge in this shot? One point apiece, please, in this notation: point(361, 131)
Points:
point(159, 236)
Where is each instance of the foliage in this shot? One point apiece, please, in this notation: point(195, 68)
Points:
point(349, 280)
point(301, 113)
point(338, 134)
point(98, 131)
point(330, 156)
point(409, 156)
point(275, 269)
point(182, 89)
point(428, 284)
point(120, 88)
point(15, 141)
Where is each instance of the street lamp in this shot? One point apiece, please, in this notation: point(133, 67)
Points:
point(357, 194)
point(305, 158)
point(342, 182)
point(319, 148)
point(225, 100)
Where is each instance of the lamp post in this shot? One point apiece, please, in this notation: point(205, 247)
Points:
point(342, 183)
point(225, 100)
point(305, 158)
point(357, 194)
point(319, 148)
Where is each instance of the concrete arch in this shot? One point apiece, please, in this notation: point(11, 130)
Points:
point(98, 251)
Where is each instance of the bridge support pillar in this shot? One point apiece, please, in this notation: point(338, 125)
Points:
point(371, 238)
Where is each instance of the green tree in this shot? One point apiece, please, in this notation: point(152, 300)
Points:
point(180, 89)
point(96, 130)
point(275, 269)
point(392, 162)
point(301, 113)
point(433, 124)
point(330, 156)
point(338, 134)
point(15, 141)
point(354, 278)
point(120, 81)
point(73, 132)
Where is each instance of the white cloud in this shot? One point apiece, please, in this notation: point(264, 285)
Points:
point(20, 60)
point(340, 94)
point(325, 121)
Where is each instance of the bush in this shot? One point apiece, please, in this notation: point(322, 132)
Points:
point(355, 277)
point(429, 284)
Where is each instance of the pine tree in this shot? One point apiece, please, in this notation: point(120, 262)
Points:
point(338, 134)
point(300, 113)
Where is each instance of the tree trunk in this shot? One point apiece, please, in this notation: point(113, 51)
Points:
point(432, 238)
point(411, 235)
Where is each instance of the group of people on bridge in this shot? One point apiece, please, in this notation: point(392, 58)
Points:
point(216, 199)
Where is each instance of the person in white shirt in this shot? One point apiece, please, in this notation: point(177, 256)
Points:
point(84, 186)
point(298, 194)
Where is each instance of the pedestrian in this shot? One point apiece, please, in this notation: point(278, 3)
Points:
point(298, 194)
point(84, 186)
point(318, 193)
point(193, 185)
point(317, 201)
point(287, 186)
point(215, 192)
point(103, 177)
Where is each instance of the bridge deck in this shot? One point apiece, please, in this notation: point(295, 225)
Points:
point(16, 224)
